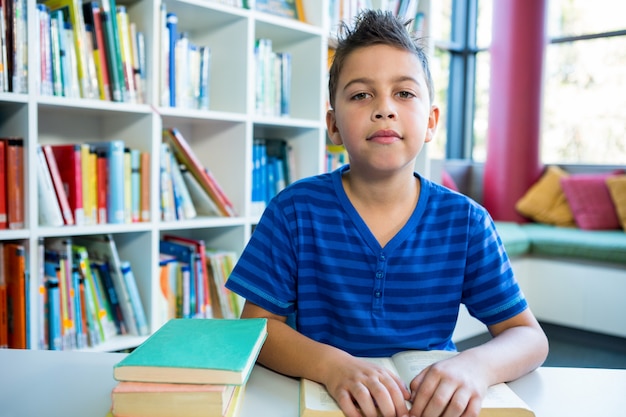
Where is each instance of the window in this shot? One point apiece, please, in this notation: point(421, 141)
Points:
point(584, 106)
point(584, 91)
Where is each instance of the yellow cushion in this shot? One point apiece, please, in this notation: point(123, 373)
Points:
point(617, 188)
point(545, 201)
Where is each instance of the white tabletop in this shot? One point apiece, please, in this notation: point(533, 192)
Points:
point(78, 384)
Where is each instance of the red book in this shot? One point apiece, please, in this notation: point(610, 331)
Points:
point(68, 158)
point(64, 203)
point(14, 160)
point(3, 190)
point(185, 155)
point(101, 193)
point(4, 312)
point(15, 269)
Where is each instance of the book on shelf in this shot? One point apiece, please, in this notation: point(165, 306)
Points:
point(204, 308)
point(291, 9)
point(202, 202)
point(58, 254)
point(15, 278)
point(14, 176)
point(196, 351)
point(55, 174)
point(114, 152)
point(103, 327)
point(4, 313)
point(149, 399)
point(100, 270)
point(171, 26)
point(93, 19)
point(89, 183)
point(500, 400)
point(103, 248)
point(3, 185)
point(186, 284)
point(135, 299)
point(126, 53)
point(73, 15)
point(69, 162)
point(128, 186)
point(112, 47)
point(53, 306)
point(185, 155)
point(144, 198)
point(226, 304)
point(102, 163)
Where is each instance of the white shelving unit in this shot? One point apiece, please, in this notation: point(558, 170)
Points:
point(221, 137)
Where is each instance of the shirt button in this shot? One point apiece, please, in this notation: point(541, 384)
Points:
point(379, 275)
point(377, 294)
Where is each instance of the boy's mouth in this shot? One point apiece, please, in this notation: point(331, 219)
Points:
point(384, 136)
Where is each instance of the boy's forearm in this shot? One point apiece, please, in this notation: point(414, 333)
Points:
point(291, 353)
point(513, 352)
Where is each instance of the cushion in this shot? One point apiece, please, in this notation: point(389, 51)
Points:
point(617, 189)
point(545, 202)
point(448, 181)
point(590, 201)
point(599, 245)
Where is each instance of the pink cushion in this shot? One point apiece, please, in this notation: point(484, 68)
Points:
point(590, 201)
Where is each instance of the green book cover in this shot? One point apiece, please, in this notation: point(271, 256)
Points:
point(196, 351)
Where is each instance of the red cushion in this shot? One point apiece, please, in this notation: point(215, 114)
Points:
point(590, 201)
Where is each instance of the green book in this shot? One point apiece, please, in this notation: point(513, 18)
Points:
point(196, 351)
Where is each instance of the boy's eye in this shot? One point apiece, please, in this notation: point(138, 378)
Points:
point(360, 96)
point(406, 94)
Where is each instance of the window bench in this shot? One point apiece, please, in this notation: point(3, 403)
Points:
point(571, 277)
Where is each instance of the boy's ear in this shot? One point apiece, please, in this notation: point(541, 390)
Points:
point(331, 126)
point(433, 121)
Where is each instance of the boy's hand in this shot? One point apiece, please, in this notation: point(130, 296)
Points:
point(450, 388)
point(365, 389)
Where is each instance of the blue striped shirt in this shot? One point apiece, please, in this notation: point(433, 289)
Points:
point(313, 256)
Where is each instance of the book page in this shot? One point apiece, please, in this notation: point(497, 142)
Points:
point(499, 397)
point(411, 362)
point(316, 400)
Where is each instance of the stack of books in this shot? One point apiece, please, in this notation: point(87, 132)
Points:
point(189, 368)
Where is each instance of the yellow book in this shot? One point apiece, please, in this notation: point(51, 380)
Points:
point(88, 168)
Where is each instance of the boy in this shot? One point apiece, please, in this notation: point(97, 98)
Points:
point(373, 259)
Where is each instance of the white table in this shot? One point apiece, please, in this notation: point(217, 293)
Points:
point(78, 384)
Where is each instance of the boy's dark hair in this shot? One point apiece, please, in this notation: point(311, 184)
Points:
point(376, 27)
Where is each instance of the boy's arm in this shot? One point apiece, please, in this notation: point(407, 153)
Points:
point(458, 385)
point(347, 378)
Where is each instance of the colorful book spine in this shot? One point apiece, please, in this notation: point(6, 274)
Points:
point(49, 211)
point(135, 185)
point(4, 312)
point(68, 216)
point(68, 158)
point(114, 151)
point(15, 261)
point(111, 40)
point(53, 307)
point(3, 183)
point(91, 14)
point(172, 25)
point(123, 26)
point(14, 160)
point(135, 299)
point(145, 187)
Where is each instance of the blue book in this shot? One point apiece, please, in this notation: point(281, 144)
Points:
point(171, 24)
point(55, 342)
point(114, 151)
point(102, 271)
point(135, 299)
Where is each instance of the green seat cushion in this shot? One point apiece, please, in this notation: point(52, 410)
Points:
point(513, 237)
point(596, 245)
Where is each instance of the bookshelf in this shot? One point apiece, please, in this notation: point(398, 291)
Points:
point(222, 137)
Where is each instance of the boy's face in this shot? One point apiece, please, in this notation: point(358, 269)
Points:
point(382, 112)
